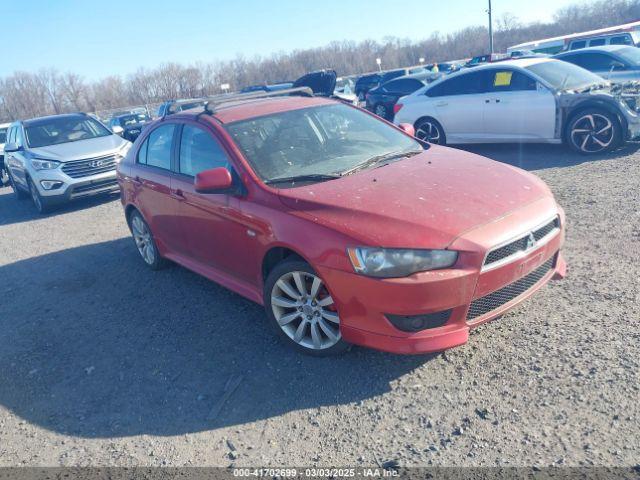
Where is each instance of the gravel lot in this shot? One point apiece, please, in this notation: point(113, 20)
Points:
point(103, 362)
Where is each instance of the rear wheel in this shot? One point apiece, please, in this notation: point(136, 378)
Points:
point(38, 201)
point(429, 130)
point(593, 131)
point(301, 309)
point(145, 243)
point(381, 111)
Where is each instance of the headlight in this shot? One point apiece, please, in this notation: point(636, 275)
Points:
point(41, 164)
point(389, 263)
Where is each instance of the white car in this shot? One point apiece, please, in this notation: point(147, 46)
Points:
point(532, 100)
point(3, 137)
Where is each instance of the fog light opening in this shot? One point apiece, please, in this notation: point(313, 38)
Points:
point(50, 184)
point(416, 323)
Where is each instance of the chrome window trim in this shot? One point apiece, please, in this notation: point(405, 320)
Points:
point(522, 253)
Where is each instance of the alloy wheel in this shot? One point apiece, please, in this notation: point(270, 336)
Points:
point(381, 111)
point(305, 311)
point(143, 240)
point(35, 196)
point(593, 133)
point(428, 132)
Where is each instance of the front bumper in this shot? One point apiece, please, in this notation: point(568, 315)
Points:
point(364, 302)
point(74, 188)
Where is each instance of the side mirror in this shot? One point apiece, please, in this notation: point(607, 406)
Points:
point(408, 129)
point(12, 147)
point(117, 129)
point(216, 180)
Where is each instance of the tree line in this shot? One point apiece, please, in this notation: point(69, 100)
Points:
point(28, 94)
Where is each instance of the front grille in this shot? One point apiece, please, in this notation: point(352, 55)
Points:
point(89, 187)
point(498, 298)
point(90, 166)
point(520, 245)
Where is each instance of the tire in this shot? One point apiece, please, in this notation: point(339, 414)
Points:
point(38, 201)
point(301, 310)
point(17, 192)
point(144, 242)
point(381, 111)
point(429, 130)
point(593, 131)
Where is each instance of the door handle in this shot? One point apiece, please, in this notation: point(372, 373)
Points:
point(178, 194)
point(487, 101)
point(442, 104)
point(497, 100)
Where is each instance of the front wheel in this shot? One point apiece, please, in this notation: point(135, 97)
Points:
point(18, 193)
point(39, 202)
point(593, 131)
point(301, 309)
point(429, 130)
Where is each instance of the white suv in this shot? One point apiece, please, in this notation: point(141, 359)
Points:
point(62, 157)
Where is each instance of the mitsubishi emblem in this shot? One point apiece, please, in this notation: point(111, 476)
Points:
point(531, 241)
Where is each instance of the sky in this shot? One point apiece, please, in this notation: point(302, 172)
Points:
point(116, 37)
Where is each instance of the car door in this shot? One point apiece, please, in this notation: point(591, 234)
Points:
point(518, 108)
point(459, 106)
point(17, 160)
point(151, 177)
point(214, 232)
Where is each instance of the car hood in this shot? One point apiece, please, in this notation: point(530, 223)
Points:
point(425, 201)
point(322, 82)
point(93, 147)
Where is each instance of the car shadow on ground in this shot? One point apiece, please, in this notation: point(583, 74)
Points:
point(14, 210)
point(541, 156)
point(97, 345)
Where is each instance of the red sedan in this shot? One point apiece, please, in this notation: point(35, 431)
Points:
point(347, 229)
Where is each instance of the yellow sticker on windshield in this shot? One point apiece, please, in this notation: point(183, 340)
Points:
point(503, 79)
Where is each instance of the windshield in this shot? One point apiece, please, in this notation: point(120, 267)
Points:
point(54, 131)
point(325, 140)
point(630, 55)
point(3, 135)
point(563, 75)
point(133, 119)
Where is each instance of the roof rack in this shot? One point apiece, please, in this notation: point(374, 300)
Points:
point(215, 100)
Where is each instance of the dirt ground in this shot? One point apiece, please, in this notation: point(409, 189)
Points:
point(104, 362)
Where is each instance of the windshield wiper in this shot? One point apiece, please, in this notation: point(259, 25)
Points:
point(312, 177)
point(379, 158)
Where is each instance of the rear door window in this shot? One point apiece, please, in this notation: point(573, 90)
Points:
point(578, 44)
point(597, 42)
point(199, 151)
point(156, 150)
point(511, 81)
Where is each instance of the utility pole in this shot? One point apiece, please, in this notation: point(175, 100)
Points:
point(490, 29)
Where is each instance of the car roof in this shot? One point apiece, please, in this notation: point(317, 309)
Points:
point(33, 121)
point(239, 110)
point(600, 49)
